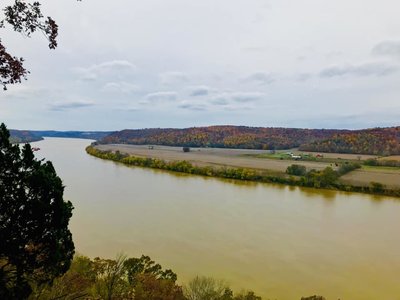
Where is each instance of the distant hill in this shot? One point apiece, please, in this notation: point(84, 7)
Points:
point(382, 141)
point(24, 136)
point(92, 135)
point(222, 136)
point(27, 136)
point(378, 141)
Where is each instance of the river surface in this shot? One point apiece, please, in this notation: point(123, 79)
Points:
point(282, 242)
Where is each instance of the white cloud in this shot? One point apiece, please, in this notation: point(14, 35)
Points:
point(25, 91)
point(387, 48)
point(219, 100)
point(236, 97)
point(121, 87)
point(367, 69)
point(198, 91)
point(192, 106)
point(112, 67)
point(170, 78)
point(247, 96)
point(160, 97)
point(68, 105)
point(261, 78)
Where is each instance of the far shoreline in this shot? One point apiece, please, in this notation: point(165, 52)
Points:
point(211, 168)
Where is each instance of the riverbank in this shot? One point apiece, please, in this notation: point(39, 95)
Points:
point(320, 180)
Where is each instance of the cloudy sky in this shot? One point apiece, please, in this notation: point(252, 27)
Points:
point(181, 63)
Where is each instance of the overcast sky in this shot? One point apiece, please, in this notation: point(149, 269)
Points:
point(182, 63)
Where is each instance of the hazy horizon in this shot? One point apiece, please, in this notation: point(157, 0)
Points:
point(92, 130)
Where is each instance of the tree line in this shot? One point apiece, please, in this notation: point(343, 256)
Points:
point(221, 136)
point(327, 178)
point(382, 163)
point(132, 278)
point(381, 141)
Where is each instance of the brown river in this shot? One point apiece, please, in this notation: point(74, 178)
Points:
point(282, 242)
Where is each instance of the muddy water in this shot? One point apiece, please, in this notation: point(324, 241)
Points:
point(279, 241)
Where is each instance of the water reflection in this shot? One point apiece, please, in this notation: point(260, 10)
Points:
point(326, 194)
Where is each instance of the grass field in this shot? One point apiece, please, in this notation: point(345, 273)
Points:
point(262, 160)
point(213, 156)
point(393, 157)
point(318, 157)
point(381, 168)
point(363, 177)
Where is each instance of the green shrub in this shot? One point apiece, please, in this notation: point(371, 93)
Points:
point(297, 170)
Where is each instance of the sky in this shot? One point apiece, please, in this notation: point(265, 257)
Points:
point(183, 63)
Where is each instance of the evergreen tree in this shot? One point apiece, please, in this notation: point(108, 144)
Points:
point(36, 244)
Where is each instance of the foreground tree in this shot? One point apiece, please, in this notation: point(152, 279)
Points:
point(26, 18)
point(36, 244)
point(133, 278)
point(207, 288)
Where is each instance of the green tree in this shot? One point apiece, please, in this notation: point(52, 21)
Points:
point(297, 170)
point(347, 167)
point(144, 265)
point(377, 187)
point(36, 244)
point(328, 176)
point(110, 283)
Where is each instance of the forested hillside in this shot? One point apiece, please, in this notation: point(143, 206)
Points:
point(93, 135)
point(222, 136)
point(24, 136)
point(379, 141)
point(28, 136)
point(382, 141)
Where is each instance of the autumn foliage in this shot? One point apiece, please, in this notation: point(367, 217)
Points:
point(378, 141)
point(381, 141)
point(221, 136)
point(25, 18)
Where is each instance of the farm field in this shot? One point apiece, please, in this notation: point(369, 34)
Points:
point(390, 178)
point(211, 156)
point(345, 156)
point(314, 156)
point(393, 157)
point(258, 159)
